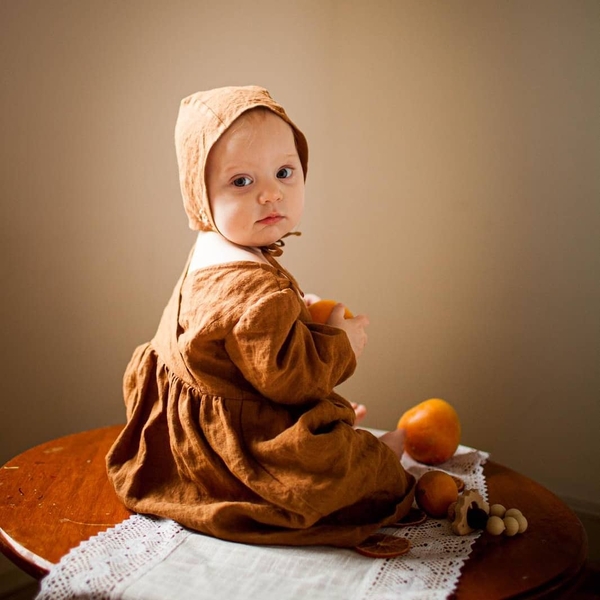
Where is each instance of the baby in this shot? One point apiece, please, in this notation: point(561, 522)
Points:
point(233, 427)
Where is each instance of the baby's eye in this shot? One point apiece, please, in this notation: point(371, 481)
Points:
point(242, 181)
point(284, 173)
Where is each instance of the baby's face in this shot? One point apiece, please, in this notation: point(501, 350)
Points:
point(255, 181)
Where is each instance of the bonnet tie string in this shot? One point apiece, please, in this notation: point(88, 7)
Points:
point(274, 250)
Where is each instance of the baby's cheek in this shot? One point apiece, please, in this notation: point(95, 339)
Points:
point(230, 222)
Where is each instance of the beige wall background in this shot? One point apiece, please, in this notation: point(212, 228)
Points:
point(453, 196)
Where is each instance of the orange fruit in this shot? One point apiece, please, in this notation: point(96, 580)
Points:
point(432, 431)
point(320, 311)
point(435, 492)
point(381, 545)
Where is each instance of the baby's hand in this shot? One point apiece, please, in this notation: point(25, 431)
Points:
point(310, 299)
point(354, 328)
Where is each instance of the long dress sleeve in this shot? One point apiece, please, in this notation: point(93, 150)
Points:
point(234, 428)
point(286, 359)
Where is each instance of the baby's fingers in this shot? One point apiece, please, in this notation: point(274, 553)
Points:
point(336, 318)
point(363, 320)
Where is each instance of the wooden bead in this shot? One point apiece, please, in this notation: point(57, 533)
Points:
point(495, 525)
point(512, 526)
point(522, 521)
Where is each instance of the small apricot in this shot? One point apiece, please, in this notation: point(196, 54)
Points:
point(435, 492)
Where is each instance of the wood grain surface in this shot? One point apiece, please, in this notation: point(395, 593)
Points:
point(56, 495)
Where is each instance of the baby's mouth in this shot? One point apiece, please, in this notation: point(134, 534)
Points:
point(271, 219)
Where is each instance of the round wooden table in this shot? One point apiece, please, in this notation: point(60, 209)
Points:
point(56, 495)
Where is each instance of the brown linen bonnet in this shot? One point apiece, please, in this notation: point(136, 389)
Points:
point(203, 117)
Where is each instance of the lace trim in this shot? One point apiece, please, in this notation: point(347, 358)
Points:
point(95, 568)
point(432, 568)
point(145, 557)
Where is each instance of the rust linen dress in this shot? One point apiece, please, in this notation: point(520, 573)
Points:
point(233, 427)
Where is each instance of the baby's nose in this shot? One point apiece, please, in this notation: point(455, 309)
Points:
point(270, 192)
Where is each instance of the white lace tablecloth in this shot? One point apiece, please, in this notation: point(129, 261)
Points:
point(147, 558)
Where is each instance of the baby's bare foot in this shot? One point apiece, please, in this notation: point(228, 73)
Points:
point(360, 410)
point(395, 440)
